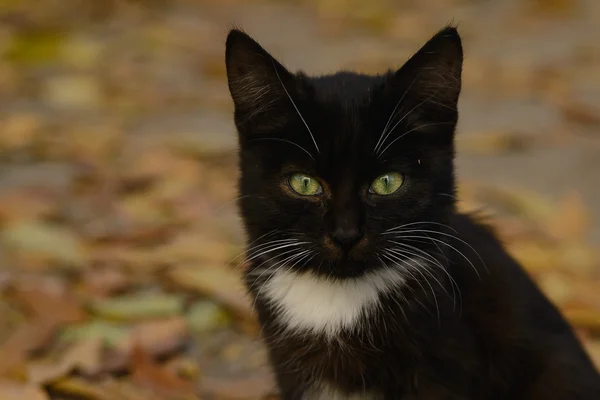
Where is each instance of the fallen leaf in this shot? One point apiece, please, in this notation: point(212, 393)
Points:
point(158, 338)
point(583, 317)
point(50, 242)
point(189, 247)
point(556, 286)
point(204, 316)
point(519, 202)
point(31, 336)
point(80, 388)
point(44, 304)
point(580, 114)
point(220, 284)
point(150, 374)
point(15, 391)
point(104, 281)
point(109, 334)
point(27, 204)
point(84, 357)
point(532, 255)
point(19, 131)
point(495, 142)
point(138, 306)
point(256, 386)
point(73, 91)
point(572, 220)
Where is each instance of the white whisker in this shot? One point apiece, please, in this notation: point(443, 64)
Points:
point(295, 107)
point(394, 113)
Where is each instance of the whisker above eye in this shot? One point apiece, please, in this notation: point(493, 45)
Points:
point(380, 153)
point(393, 114)
point(283, 141)
point(295, 107)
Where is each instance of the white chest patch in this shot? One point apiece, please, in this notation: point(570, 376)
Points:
point(308, 303)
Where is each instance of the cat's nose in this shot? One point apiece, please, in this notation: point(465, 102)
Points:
point(346, 237)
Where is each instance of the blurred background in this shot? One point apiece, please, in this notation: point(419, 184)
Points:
point(119, 238)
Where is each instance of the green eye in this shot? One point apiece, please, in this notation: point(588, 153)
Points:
point(305, 185)
point(387, 184)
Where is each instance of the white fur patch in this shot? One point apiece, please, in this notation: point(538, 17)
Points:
point(308, 303)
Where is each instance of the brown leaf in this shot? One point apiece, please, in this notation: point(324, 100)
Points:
point(519, 202)
point(157, 338)
point(16, 391)
point(256, 386)
point(103, 281)
point(580, 114)
point(80, 388)
point(30, 337)
point(26, 204)
point(84, 356)
point(572, 220)
point(195, 247)
point(584, 317)
point(150, 374)
point(532, 255)
point(221, 284)
point(593, 349)
point(497, 142)
point(41, 303)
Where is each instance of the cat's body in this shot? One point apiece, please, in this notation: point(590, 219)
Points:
point(502, 340)
point(368, 283)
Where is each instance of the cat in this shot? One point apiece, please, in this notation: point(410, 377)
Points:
point(367, 281)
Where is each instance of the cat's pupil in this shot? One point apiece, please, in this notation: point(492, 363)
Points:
point(306, 182)
point(386, 180)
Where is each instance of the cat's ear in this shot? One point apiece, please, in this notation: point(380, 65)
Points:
point(433, 74)
point(258, 83)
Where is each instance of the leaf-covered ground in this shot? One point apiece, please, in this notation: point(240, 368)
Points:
point(120, 246)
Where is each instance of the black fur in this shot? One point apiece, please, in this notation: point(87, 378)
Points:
point(474, 326)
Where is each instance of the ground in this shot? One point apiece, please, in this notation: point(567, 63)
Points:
point(120, 245)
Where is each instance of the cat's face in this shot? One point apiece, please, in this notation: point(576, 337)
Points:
point(344, 174)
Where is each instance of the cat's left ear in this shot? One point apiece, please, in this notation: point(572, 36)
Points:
point(433, 74)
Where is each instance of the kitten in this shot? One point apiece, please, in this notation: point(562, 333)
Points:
point(367, 281)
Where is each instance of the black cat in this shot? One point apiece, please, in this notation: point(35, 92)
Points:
point(367, 281)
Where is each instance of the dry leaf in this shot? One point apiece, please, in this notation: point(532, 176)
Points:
point(256, 386)
point(532, 255)
point(83, 356)
point(16, 391)
point(150, 374)
point(79, 388)
point(44, 304)
point(158, 338)
point(572, 220)
point(220, 284)
point(30, 337)
point(580, 113)
point(138, 306)
point(102, 282)
point(49, 242)
point(499, 142)
point(583, 317)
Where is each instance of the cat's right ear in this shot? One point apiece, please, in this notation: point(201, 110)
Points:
point(258, 83)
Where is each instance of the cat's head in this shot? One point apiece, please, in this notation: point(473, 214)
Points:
point(334, 168)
